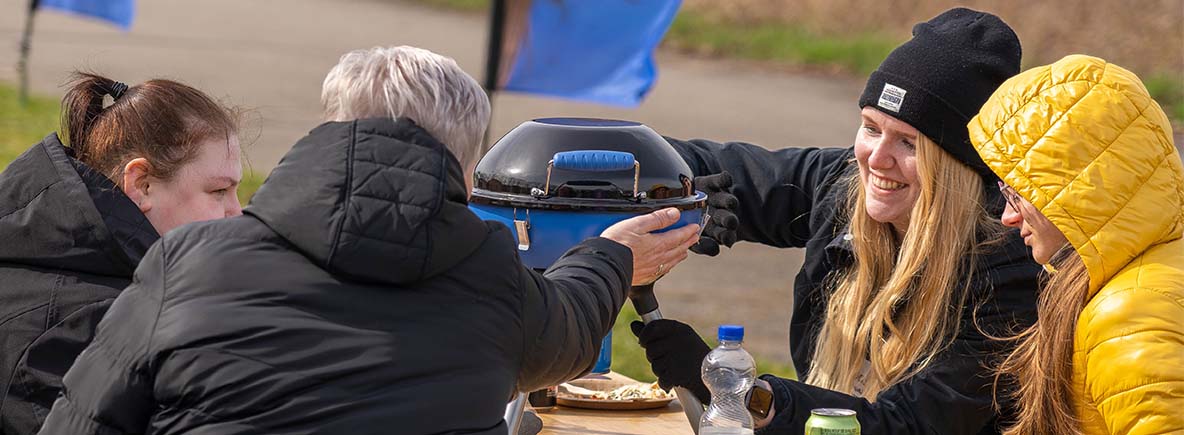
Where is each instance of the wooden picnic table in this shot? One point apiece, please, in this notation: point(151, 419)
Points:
point(562, 420)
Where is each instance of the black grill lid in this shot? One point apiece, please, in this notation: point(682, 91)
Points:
point(592, 162)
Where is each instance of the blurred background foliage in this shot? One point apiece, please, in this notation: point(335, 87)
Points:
point(854, 36)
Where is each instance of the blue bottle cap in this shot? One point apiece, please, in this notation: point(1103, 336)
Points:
point(731, 333)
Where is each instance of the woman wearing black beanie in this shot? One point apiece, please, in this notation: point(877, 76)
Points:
point(906, 274)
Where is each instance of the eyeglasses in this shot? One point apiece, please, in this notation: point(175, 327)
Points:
point(1012, 197)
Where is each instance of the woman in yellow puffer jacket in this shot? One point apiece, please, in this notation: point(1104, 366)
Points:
point(1096, 187)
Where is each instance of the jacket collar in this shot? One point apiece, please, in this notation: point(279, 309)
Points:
point(56, 211)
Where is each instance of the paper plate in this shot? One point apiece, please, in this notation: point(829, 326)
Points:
point(608, 382)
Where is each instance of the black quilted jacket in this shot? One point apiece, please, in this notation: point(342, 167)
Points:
point(357, 295)
point(69, 242)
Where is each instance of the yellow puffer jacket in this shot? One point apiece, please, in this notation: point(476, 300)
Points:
point(1082, 140)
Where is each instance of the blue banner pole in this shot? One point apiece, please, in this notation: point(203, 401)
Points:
point(493, 55)
point(22, 64)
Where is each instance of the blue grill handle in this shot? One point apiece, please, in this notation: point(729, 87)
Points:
point(593, 160)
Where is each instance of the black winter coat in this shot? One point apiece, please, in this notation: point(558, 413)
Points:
point(69, 242)
point(795, 198)
point(356, 295)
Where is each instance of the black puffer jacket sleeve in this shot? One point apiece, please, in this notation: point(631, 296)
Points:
point(569, 309)
point(954, 394)
point(776, 189)
point(108, 390)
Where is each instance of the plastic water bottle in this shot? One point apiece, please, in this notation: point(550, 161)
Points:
point(728, 371)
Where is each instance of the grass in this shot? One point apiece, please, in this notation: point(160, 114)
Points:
point(249, 184)
point(1168, 90)
point(462, 5)
point(22, 126)
point(629, 358)
point(857, 52)
point(697, 32)
point(701, 29)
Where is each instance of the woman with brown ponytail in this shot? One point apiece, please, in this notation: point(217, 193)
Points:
point(1096, 188)
point(76, 218)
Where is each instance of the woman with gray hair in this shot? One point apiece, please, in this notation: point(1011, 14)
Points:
point(413, 83)
point(357, 294)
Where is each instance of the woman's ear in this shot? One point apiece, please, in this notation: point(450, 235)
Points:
point(136, 182)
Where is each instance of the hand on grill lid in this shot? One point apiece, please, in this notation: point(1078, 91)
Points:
point(654, 254)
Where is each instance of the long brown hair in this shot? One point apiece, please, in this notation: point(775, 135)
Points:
point(160, 120)
point(1042, 363)
point(897, 306)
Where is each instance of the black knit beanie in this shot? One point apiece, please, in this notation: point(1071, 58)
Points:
point(940, 79)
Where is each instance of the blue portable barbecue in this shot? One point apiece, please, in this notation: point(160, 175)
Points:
point(558, 181)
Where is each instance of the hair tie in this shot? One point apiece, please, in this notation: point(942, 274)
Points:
point(116, 90)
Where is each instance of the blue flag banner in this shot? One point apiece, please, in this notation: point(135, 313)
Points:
point(599, 51)
point(118, 12)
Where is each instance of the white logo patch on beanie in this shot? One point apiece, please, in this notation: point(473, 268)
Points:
point(892, 97)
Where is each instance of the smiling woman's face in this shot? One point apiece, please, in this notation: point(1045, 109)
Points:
point(885, 148)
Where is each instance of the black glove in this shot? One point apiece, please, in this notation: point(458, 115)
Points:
point(675, 352)
point(721, 228)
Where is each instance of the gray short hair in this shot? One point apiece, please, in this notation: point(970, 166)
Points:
point(414, 83)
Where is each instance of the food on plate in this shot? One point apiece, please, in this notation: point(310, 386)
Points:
point(638, 391)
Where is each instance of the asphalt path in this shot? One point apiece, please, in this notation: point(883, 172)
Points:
point(270, 57)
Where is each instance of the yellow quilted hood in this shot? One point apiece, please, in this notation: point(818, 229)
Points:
point(1083, 141)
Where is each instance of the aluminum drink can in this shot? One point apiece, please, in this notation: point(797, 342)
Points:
point(832, 421)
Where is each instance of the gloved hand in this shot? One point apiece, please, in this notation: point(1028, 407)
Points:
point(721, 228)
point(675, 352)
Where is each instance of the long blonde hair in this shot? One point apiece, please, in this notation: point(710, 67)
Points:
point(897, 306)
point(1042, 363)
